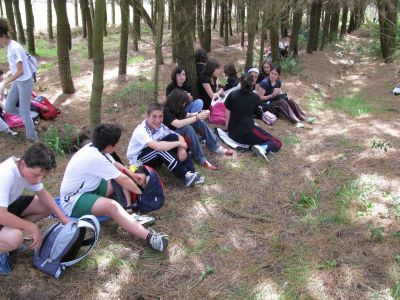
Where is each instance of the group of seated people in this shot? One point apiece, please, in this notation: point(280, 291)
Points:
point(171, 134)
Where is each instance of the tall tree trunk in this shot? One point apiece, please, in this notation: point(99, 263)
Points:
point(105, 20)
point(1, 8)
point(18, 21)
point(352, 22)
point(184, 44)
point(345, 12)
point(274, 36)
point(313, 26)
point(317, 25)
point(199, 22)
point(285, 21)
point(242, 12)
point(387, 10)
point(50, 20)
point(63, 30)
point(229, 14)
point(30, 27)
point(84, 28)
point(215, 14)
point(334, 24)
point(252, 20)
point(98, 65)
point(226, 26)
point(296, 24)
point(173, 29)
point(76, 13)
point(222, 18)
point(159, 27)
point(113, 12)
point(207, 26)
point(89, 27)
point(10, 19)
point(263, 36)
point(123, 48)
point(325, 27)
point(91, 9)
point(135, 28)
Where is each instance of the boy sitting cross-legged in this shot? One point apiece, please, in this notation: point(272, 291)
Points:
point(18, 213)
point(152, 143)
point(87, 189)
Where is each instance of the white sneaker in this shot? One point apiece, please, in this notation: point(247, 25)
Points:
point(259, 151)
point(158, 240)
point(191, 178)
point(200, 180)
point(144, 220)
point(299, 125)
point(9, 131)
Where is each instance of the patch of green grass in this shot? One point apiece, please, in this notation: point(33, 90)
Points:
point(354, 105)
point(75, 69)
point(384, 146)
point(45, 49)
point(208, 271)
point(327, 264)
point(135, 59)
point(377, 233)
point(396, 291)
point(291, 139)
point(291, 66)
point(307, 202)
point(46, 66)
point(197, 247)
point(209, 199)
point(315, 102)
point(61, 141)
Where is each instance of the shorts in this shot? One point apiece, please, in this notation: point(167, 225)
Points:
point(18, 206)
point(86, 201)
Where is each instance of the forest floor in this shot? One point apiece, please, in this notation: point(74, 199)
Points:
point(320, 220)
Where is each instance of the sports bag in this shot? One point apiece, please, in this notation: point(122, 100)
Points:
point(61, 244)
point(32, 62)
point(15, 121)
point(152, 197)
point(217, 113)
point(268, 118)
point(47, 110)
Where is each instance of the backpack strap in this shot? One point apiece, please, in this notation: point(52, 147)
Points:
point(91, 222)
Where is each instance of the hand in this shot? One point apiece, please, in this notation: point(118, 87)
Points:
point(203, 114)
point(182, 155)
point(190, 97)
point(36, 236)
point(139, 178)
point(64, 220)
point(182, 144)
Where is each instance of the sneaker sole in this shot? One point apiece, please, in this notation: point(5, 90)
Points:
point(193, 180)
point(259, 153)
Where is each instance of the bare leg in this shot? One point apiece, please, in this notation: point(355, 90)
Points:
point(105, 206)
point(35, 211)
point(10, 239)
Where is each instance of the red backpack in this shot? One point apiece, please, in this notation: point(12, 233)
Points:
point(47, 110)
point(217, 113)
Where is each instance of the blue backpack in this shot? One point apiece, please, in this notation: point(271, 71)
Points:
point(152, 197)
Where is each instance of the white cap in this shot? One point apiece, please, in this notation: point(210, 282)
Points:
point(253, 70)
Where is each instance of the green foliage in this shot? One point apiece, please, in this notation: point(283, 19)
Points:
point(315, 101)
point(291, 66)
point(377, 144)
point(61, 141)
point(327, 264)
point(396, 291)
point(354, 105)
point(45, 49)
point(46, 66)
point(206, 272)
point(307, 202)
point(377, 233)
point(135, 59)
point(291, 139)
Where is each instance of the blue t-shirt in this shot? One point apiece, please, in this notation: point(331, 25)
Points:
point(269, 88)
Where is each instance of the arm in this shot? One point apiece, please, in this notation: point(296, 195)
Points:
point(45, 197)
point(11, 220)
point(18, 73)
point(261, 92)
point(209, 91)
point(227, 117)
point(136, 177)
point(166, 146)
point(182, 154)
point(128, 183)
point(191, 119)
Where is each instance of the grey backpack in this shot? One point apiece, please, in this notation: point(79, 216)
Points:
point(61, 244)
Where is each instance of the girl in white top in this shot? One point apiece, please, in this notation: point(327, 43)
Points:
point(21, 79)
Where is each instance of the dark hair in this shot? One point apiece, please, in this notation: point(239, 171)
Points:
point(210, 67)
point(1, 72)
point(230, 70)
point(106, 135)
point(176, 102)
point(200, 55)
point(246, 83)
point(176, 71)
point(277, 68)
point(40, 156)
point(3, 27)
point(262, 72)
point(153, 106)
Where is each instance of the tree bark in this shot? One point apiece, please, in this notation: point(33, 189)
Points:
point(229, 14)
point(184, 44)
point(89, 27)
point(105, 19)
point(387, 10)
point(84, 31)
point(30, 27)
point(296, 24)
point(18, 21)
point(91, 10)
point(10, 19)
point(63, 30)
point(215, 14)
point(173, 29)
point(136, 28)
point(159, 27)
point(334, 23)
point(325, 28)
point(252, 13)
point(76, 13)
point(123, 48)
point(98, 65)
point(314, 23)
point(345, 12)
point(222, 18)
point(50, 20)
point(207, 26)
point(199, 22)
point(263, 36)
point(242, 13)
point(285, 20)
point(226, 26)
point(1, 8)
point(113, 12)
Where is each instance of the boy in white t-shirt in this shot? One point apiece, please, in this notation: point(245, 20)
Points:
point(152, 143)
point(86, 187)
point(21, 81)
point(18, 213)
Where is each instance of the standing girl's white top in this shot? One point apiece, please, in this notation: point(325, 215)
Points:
point(16, 53)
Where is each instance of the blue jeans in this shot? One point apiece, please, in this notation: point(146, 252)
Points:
point(194, 106)
point(191, 135)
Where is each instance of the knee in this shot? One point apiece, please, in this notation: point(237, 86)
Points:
point(15, 238)
point(113, 207)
